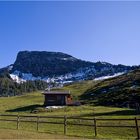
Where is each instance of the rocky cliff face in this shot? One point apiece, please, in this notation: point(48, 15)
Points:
point(47, 63)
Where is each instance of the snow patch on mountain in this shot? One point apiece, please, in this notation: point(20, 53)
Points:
point(17, 76)
point(16, 79)
point(108, 77)
point(26, 76)
point(68, 58)
point(79, 75)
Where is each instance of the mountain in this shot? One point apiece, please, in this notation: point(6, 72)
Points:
point(59, 67)
point(119, 91)
point(43, 65)
point(32, 67)
point(47, 63)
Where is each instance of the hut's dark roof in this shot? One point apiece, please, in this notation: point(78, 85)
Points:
point(56, 92)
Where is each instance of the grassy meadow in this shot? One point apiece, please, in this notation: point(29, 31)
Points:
point(31, 104)
point(21, 134)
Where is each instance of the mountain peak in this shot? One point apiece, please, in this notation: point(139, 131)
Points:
point(42, 63)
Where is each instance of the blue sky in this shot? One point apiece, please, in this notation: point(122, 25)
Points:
point(93, 31)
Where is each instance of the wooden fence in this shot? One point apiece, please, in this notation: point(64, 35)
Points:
point(38, 120)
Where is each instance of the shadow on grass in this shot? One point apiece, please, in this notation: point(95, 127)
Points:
point(29, 108)
point(114, 113)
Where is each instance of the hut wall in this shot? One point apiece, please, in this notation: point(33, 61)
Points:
point(51, 100)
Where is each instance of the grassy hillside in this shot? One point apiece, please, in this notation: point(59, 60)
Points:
point(116, 91)
point(32, 101)
point(31, 104)
point(78, 88)
point(26, 103)
point(90, 91)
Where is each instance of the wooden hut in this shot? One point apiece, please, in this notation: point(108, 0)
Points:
point(57, 98)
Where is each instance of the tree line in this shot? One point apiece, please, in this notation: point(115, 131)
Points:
point(10, 88)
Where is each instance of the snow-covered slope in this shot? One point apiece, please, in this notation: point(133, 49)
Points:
point(17, 79)
point(79, 75)
point(108, 77)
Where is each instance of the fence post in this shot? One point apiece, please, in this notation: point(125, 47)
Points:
point(18, 121)
point(95, 127)
point(137, 128)
point(65, 125)
point(37, 123)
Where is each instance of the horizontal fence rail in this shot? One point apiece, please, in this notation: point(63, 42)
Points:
point(73, 121)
